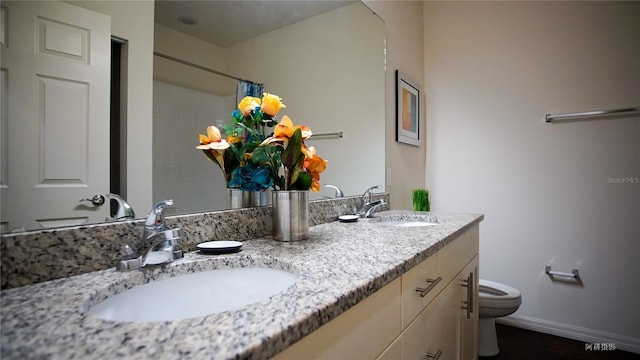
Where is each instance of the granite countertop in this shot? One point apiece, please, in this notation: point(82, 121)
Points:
point(337, 267)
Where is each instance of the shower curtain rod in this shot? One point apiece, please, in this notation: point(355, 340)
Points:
point(184, 62)
point(549, 117)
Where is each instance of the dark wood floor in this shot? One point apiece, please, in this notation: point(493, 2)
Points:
point(520, 344)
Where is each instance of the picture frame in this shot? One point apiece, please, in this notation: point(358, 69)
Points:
point(407, 110)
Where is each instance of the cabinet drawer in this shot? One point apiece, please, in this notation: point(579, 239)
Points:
point(412, 302)
point(469, 317)
point(435, 329)
point(362, 332)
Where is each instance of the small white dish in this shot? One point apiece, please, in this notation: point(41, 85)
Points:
point(348, 218)
point(219, 247)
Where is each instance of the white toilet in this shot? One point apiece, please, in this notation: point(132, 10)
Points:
point(496, 300)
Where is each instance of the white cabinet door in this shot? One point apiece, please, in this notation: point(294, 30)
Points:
point(469, 311)
point(55, 126)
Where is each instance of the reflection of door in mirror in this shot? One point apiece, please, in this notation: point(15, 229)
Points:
point(55, 114)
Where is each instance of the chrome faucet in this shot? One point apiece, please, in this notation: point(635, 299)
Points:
point(339, 193)
point(158, 241)
point(366, 206)
point(155, 220)
point(124, 211)
point(368, 194)
point(373, 206)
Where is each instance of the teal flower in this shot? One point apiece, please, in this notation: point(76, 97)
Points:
point(251, 177)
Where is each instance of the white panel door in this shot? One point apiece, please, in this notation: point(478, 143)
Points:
point(55, 130)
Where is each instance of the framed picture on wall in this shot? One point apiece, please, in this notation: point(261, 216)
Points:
point(407, 110)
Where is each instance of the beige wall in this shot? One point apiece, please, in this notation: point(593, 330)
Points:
point(564, 194)
point(405, 163)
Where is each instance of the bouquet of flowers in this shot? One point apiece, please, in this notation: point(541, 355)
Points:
point(250, 160)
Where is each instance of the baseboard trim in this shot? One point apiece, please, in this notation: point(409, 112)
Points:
point(621, 342)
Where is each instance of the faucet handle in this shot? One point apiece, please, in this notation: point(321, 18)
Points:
point(367, 193)
point(155, 219)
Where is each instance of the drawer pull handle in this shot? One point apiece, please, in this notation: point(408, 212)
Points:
point(470, 285)
point(435, 356)
point(432, 283)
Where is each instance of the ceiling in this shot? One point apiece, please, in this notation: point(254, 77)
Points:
point(225, 23)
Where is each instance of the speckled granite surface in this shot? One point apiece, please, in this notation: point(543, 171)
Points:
point(338, 266)
point(37, 256)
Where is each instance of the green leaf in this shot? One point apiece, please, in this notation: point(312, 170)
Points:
point(211, 157)
point(293, 158)
point(228, 129)
point(303, 182)
point(293, 175)
point(260, 154)
point(292, 154)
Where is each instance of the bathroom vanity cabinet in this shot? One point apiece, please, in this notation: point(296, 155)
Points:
point(397, 322)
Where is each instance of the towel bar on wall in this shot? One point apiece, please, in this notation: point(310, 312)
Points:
point(338, 134)
point(550, 117)
point(573, 274)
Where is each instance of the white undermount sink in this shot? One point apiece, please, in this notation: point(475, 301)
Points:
point(193, 295)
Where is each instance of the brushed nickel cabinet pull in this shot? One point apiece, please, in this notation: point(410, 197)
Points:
point(432, 283)
point(469, 284)
point(435, 356)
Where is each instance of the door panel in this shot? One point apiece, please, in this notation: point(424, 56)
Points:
point(55, 69)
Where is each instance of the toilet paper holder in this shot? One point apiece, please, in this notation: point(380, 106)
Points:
point(573, 274)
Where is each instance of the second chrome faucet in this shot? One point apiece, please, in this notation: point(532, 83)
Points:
point(158, 241)
point(366, 206)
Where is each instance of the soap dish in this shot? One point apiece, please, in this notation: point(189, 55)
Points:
point(348, 218)
point(219, 247)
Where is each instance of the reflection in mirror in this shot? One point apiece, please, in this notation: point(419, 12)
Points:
point(328, 68)
point(321, 66)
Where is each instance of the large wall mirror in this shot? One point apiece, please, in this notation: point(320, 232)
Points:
point(325, 59)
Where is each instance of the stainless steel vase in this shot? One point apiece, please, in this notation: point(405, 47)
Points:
point(237, 199)
point(290, 215)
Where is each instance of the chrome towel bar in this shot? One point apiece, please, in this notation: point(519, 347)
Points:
point(550, 117)
point(573, 274)
point(338, 134)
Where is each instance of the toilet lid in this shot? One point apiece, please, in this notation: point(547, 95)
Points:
point(491, 290)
